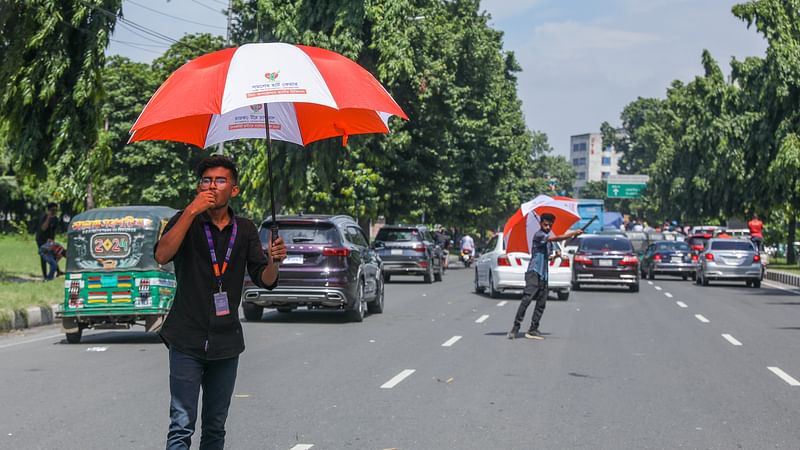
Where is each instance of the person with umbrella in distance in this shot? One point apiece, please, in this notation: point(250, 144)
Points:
point(537, 274)
point(211, 248)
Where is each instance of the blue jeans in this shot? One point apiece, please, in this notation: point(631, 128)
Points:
point(51, 260)
point(186, 375)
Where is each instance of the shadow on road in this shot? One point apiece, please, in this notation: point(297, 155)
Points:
point(118, 337)
point(305, 316)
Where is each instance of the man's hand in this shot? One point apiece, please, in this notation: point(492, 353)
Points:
point(576, 233)
point(277, 251)
point(204, 201)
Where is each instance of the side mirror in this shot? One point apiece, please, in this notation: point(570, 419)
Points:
point(571, 251)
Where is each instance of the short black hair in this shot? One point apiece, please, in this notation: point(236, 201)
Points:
point(218, 161)
point(549, 217)
point(52, 205)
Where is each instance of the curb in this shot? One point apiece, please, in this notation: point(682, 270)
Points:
point(32, 316)
point(783, 277)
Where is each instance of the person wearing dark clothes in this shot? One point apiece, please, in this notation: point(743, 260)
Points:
point(537, 274)
point(46, 230)
point(211, 248)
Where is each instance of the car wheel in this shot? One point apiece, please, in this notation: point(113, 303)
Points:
point(576, 286)
point(694, 276)
point(386, 277)
point(563, 295)
point(428, 277)
point(704, 282)
point(756, 283)
point(684, 277)
point(359, 310)
point(651, 274)
point(477, 285)
point(75, 338)
point(252, 312)
point(634, 287)
point(376, 306)
point(494, 293)
point(437, 276)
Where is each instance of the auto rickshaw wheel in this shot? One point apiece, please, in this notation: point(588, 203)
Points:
point(75, 338)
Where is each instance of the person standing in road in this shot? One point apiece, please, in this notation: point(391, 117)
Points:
point(756, 232)
point(211, 248)
point(537, 275)
point(46, 231)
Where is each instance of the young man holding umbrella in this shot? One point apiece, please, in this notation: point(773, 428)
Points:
point(211, 248)
point(537, 274)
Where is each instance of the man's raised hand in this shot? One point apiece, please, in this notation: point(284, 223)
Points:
point(204, 201)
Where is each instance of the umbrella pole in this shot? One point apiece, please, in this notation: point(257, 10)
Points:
point(274, 228)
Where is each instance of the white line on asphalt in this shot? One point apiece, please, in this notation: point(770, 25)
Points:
point(682, 305)
point(784, 376)
point(397, 379)
point(701, 318)
point(650, 283)
point(732, 340)
point(668, 294)
point(302, 447)
point(658, 288)
point(31, 340)
point(793, 291)
point(503, 303)
point(482, 318)
point(451, 341)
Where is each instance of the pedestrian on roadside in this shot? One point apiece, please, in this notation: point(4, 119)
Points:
point(46, 230)
point(756, 228)
point(51, 252)
point(211, 248)
point(537, 275)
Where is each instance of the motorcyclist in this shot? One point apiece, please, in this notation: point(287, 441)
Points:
point(443, 239)
point(467, 248)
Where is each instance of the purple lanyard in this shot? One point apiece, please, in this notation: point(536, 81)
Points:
point(217, 272)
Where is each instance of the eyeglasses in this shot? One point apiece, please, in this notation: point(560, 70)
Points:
point(220, 182)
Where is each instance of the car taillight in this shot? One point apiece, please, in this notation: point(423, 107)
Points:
point(709, 256)
point(756, 258)
point(144, 289)
point(423, 264)
point(503, 261)
point(564, 262)
point(74, 292)
point(580, 259)
point(695, 258)
point(657, 258)
point(629, 260)
point(419, 248)
point(335, 251)
point(698, 247)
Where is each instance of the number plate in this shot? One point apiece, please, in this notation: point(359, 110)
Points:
point(397, 251)
point(293, 259)
point(676, 260)
point(605, 262)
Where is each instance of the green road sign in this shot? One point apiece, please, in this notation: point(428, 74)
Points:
point(619, 190)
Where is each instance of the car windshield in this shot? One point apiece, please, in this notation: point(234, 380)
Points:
point(672, 247)
point(301, 233)
point(732, 245)
point(606, 245)
point(398, 235)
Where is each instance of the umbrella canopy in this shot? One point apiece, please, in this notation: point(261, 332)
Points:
point(308, 93)
point(520, 228)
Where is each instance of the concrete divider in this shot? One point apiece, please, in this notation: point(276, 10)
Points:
point(783, 277)
point(32, 316)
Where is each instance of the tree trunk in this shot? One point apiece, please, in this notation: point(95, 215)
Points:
point(791, 255)
point(89, 194)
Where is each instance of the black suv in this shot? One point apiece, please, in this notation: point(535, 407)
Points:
point(409, 250)
point(329, 265)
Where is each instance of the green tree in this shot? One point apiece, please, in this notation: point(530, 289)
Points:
point(640, 137)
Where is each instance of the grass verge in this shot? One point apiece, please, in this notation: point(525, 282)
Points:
point(21, 282)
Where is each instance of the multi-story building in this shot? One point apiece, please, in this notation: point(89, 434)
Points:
point(591, 160)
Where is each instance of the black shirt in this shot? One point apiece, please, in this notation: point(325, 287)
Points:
point(49, 232)
point(192, 325)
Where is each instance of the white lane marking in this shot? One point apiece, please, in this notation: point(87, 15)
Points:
point(503, 303)
point(668, 294)
point(397, 379)
point(701, 318)
point(650, 283)
point(658, 288)
point(482, 318)
point(784, 376)
point(43, 338)
point(682, 305)
point(451, 341)
point(302, 447)
point(767, 283)
point(96, 349)
point(732, 340)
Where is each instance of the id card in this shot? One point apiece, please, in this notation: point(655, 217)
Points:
point(221, 304)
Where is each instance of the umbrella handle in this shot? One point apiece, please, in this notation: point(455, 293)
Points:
point(589, 223)
point(274, 227)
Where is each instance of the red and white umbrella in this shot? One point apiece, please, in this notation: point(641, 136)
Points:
point(520, 228)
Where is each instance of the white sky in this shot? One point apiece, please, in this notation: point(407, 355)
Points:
point(582, 60)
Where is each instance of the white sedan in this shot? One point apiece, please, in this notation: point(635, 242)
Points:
point(499, 272)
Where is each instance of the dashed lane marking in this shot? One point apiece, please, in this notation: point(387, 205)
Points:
point(398, 378)
point(503, 303)
point(682, 305)
point(701, 318)
point(732, 340)
point(482, 318)
point(451, 341)
point(784, 376)
point(668, 294)
point(302, 447)
point(658, 288)
point(650, 283)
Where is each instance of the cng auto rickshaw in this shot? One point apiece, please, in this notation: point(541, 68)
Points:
point(113, 280)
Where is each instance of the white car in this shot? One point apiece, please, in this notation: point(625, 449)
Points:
point(499, 272)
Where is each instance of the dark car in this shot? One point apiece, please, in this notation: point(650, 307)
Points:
point(606, 260)
point(669, 258)
point(329, 265)
point(409, 250)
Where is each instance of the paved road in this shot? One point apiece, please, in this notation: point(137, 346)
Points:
point(658, 369)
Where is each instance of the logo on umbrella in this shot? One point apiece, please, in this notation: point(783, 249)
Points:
point(256, 108)
point(272, 76)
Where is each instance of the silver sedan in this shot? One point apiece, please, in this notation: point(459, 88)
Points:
point(730, 260)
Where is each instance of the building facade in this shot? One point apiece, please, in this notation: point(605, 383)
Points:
point(591, 160)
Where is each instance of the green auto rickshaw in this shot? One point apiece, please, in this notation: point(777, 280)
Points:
point(113, 280)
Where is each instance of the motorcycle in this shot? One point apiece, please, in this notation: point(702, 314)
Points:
point(466, 257)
